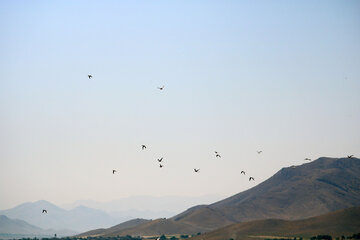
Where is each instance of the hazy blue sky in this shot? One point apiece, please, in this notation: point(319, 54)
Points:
point(239, 76)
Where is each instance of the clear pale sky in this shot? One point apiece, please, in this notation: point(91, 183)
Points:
point(239, 76)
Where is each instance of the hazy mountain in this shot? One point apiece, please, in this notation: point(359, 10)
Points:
point(315, 188)
point(78, 219)
point(147, 206)
point(342, 222)
point(15, 228)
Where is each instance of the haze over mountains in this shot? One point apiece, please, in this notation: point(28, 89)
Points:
point(15, 228)
point(146, 206)
point(78, 219)
point(312, 189)
point(86, 215)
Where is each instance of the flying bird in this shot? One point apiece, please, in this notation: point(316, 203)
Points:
point(44, 211)
point(217, 154)
point(114, 171)
point(251, 178)
point(259, 152)
point(161, 88)
point(89, 76)
point(242, 172)
point(307, 159)
point(159, 160)
point(161, 166)
point(143, 147)
point(350, 156)
point(196, 170)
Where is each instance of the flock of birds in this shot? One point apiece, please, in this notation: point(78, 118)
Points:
point(196, 170)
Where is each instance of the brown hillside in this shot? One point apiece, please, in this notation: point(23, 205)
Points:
point(312, 189)
point(116, 228)
point(204, 217)
point(343, 222)
point(141, 227)
point(158, 227)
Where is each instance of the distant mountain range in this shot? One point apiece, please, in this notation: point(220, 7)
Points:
point(312, 189)
point(78, 219)
point(86, 214)
point(15, 228)
point(343, 222)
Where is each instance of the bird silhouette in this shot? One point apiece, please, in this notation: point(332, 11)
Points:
point(307, 159)
point(259, 152)
point(161, 166)
point(196, 170)
point(143, 147)
point(161, 88)
point(251, 178)
point(159, 160)
point(114, 171)
point(89, 76)
point(217, 154)
point(242, 172)
point(350, 156)
point(44, 211)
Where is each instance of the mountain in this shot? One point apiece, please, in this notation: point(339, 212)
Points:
point(79, 219)
point(315, 188)
point(312, 189)
point(344, 222)
point(15, 228)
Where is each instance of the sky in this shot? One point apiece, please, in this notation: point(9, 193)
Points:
point(240, 76)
